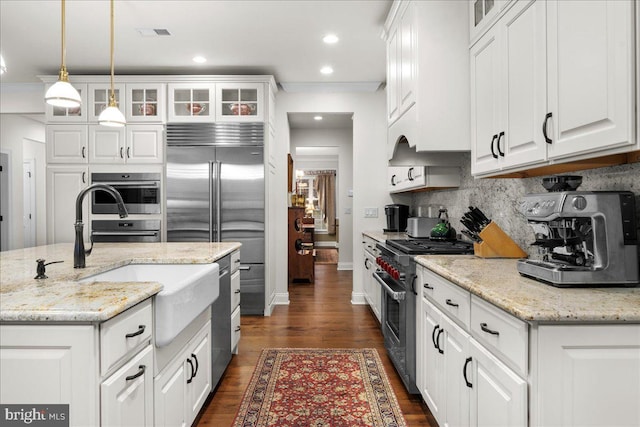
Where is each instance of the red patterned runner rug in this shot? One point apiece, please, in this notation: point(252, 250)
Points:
point(315, 387)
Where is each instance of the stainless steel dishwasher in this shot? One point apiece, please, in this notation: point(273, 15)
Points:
point(221, 323)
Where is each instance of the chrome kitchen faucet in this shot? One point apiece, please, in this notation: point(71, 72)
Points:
point(79, 253)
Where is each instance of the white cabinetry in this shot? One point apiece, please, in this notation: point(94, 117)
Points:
point(135, 143)
point(99, 99)
point(183, 386)
point(64, 182)
point(191, 102)
point(482, 13)
point(51, 364)
point(68, 115)
point(66, 143)
point(588, 375)
point(552, 82)
point(427, 78)
point(370, 287)
point(64, 364)
point(235, 301)
point(408, 178)
point(463, 382)
point(240, 102)
point(145, 102)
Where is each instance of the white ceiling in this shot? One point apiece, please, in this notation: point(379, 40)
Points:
point(283, 38)
point(329, 121)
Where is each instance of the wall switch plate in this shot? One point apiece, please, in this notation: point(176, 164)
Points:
point(371, 212)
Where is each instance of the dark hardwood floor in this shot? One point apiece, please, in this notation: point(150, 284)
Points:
point(320, 315)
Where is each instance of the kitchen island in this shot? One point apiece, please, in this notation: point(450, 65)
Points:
point(92, 345)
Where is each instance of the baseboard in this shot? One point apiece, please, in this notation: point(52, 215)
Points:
point(358, 299)
point(345, 266)
point(281, 299)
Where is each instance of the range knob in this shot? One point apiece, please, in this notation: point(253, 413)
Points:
point(379, 260)
point(579, 202)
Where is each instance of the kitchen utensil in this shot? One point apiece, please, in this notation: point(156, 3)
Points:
point(196, 109)
point(562, 182)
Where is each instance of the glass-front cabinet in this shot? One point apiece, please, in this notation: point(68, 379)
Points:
point(191, 102)
point(240, 102)
point(99, 99)
point(71, 115)
point(482, 13)
point(145, 102)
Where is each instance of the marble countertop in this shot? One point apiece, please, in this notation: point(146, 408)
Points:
point(61, 298)
point(381, 236)
point(498, 282)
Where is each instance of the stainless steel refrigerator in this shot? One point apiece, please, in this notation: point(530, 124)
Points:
point(215, 193)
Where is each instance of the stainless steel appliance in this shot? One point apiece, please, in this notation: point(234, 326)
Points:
point(396, 276)
point(143, 231)
point(140, 193)
point(221, 324)
point(215, 193)
point(586, 238)
point(418, 227)
point(396, 217)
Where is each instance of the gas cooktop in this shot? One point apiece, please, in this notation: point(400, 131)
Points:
point(431, 246)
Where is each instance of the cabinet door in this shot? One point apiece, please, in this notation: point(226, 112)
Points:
point(239, 102)
point(106, 144)
point(498, 395)
point(397, 176)
point(407, 58)
point(482, 13)
point(199, 380)
point(415, 177)
point(50, 364)
point(145, 144)
point(144, 102)
point(235, 290)
point(69, 115)
point(591, 75)
point(485, 98)
point(99, 99)
point(235, 330)
point(191, 102)
point(584, 369)
point(524, 84)
point(66, 144)
point(127, 395)
point(457, 394)
point(63, 185)
point(393, 65)
point(432, 360)
point(170, 386)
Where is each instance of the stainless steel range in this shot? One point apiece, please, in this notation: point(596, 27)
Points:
point(397, 278)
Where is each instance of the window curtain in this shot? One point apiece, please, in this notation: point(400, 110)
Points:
point(325, 186)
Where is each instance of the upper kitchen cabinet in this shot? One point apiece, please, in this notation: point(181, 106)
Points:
point(68, 115)
point(240, 102)
point(145, 102)
point(552, 82)
point(134, 143)
point(427, 78)
point(191, 102)
point(66, 143)
point(509, 90)
point(99, 99)
point(482, 13)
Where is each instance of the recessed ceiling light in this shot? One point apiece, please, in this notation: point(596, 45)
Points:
point(317, 118)
point(330, 39)
point(326, 70)
point(199, 59)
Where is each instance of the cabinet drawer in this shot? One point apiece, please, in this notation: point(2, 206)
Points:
point(369, 245)
point(235, 290)
point(452, 299)
point(235, 261)
point(235, 330)
point(501, 333)
point(115, 344)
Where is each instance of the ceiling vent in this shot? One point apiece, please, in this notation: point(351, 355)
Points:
point(153, 32)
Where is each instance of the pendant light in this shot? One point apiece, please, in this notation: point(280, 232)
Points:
point(3, 66)
point(112, 116)
point(62, 94)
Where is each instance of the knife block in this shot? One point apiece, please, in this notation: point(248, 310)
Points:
point(496, 244)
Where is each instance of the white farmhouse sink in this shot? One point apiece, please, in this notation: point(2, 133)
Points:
point(188, 290)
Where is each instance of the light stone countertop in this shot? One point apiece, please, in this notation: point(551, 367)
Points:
point(381, 236)
point(60, 298)
point(498, 282)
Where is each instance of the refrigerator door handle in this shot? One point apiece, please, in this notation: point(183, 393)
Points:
point(212, 197)
point(216, 198)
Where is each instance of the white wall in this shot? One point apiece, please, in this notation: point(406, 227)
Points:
point(22, 137)
point(369, 168)
point(342, 139)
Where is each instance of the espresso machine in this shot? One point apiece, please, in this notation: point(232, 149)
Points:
point(586, 238)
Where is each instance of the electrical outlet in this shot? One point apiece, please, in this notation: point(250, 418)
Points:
point(371, 212)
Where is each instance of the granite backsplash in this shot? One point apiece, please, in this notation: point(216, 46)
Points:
point(499, 198)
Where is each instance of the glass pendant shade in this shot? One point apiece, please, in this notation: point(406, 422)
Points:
point(3, 66)
point(112, 116)
point(62, 94)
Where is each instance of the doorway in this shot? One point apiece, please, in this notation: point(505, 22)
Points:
point(29, 202)
point(4, 201)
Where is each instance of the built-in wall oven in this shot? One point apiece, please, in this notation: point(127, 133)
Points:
point(125, 230)
point(140, 192)
point(396, 277)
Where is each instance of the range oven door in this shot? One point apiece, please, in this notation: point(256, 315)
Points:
point(140, 193)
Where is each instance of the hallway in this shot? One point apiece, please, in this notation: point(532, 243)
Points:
point(320, 315)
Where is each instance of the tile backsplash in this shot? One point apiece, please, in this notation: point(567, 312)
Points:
point(499, 198)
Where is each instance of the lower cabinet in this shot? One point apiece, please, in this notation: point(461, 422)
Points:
point(127, 395)
point(371, 288)
point(182, 387)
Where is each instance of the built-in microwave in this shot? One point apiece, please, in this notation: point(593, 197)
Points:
point(140, 193)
